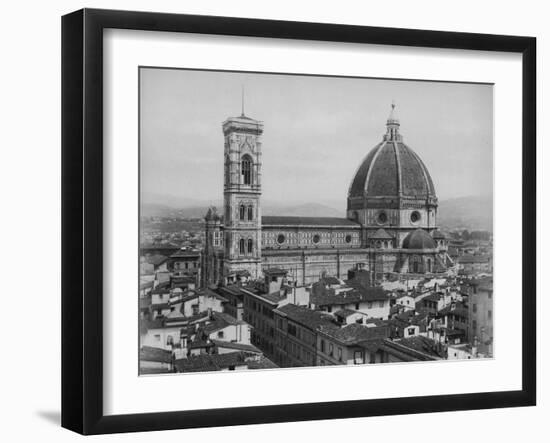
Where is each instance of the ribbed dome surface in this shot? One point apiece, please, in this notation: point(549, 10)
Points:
point(419, 239)
point(392, 169)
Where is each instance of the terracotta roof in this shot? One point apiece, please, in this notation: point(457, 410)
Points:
point(236, 346)
point(344, 313)
point(185, 253)
point(381, 234)
point(305, 316)
point(148, 353)
point(330, 280)
point(473, 259)
point(355, 333)
point(262, 363)
point(391, 168)
point(459, 309)
point(219, 321)
point(308, 221)
point(419, 239)
point(422, 344)
point(156, 259)
point(210, 362)
point(358, 294)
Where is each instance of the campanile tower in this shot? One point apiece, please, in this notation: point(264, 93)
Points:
point(242, 191)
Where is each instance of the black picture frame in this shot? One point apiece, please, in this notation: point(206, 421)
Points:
point(82, 219)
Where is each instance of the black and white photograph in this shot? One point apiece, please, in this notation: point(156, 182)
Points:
point(291, 221)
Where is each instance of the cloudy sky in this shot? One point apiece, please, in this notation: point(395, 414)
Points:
point(317, 130)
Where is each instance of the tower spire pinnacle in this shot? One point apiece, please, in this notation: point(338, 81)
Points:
point(242, 100)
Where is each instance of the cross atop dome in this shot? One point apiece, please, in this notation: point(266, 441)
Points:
point(392, 125)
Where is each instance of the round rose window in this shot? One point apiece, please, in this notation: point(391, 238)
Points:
point(280, 238)
point(415, 217)
point(316, 238)
point(382, 218)
point(348, 238)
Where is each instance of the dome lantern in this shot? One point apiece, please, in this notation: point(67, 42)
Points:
point(392, 125)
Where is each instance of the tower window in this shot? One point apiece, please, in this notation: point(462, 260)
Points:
point(241, 245)
point(241, 212)
point(250, 213)
point(246, 170)
point(249, 246)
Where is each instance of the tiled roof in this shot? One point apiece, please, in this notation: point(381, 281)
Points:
point(473, 259)
point(146, 285)
point(380, 234)
point(156, 259)
point(422, 344)
point(330, 280)
point(196, 363)
point(148, 353)
point(345, 313)
point(274, 297)
point(162, 288)
point(392, 169)
point(459, 309)
point(154, 371)
point(185, 253)
point(419, 239)
point(236, 346)
point(210, 362)
point(432, 297)
point(358, 294)
point(305, 316)
point(308, 221)
point(220, 320)
point(355, 333)
point(262, 363)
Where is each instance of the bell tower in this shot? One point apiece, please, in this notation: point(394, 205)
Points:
point(242, 191)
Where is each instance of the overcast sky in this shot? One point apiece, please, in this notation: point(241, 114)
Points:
point(317, 130)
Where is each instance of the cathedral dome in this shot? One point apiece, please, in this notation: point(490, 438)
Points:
point(419, 239)
point(392, 169)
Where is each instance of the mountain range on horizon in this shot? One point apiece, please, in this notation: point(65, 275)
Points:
point(474, 212)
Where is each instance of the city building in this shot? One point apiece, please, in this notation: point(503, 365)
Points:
point(296, 335)
point(480, 315)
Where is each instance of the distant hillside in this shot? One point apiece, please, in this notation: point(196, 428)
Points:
point(304, 210)
point(467, 213)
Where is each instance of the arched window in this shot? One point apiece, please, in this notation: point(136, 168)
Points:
point(246, 170)
point(241, 246)
point(429, 262)
point(250, 213)
point(241, 212)
point(415, 265)
point(249, 246)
